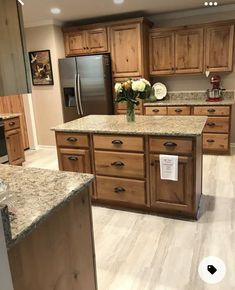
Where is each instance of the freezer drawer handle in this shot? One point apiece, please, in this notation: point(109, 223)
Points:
point(72, 139)
point(119, 189)
point(11, 123)
point(210, 141)
point(155, 110)
point(117, 142)
point(72, 158)
point(211, 110)
point(211, 124)
point(118, 163)
point(178, 110)
point(170, 144)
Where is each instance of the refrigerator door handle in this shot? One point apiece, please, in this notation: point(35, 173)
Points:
point(76, 95)
point(79, 94)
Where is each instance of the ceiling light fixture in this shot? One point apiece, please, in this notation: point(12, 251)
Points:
point(55, 10)
point(210, 4)
point(21, 2)
point(118, 1)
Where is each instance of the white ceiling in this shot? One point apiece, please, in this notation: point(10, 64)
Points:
point(38, 11)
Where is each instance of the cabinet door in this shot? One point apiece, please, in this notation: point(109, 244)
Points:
point(15, 147)
point(96, 40)
point(219, 48)
point(126, 50)
point(173, 195)
point(161, 45)
point(189, 51)
point(75, 160)
point(75, 43)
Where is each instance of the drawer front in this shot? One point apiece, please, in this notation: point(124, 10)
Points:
point(123, 106)
point(11, 124)
point(217, 125)
point(72, 140)
point(217, 142)
point(120, 189)
point(155, 111)
point(117, 142)
point(119, 164)
point(212, 110)
point(170, 145)
point(184, 110)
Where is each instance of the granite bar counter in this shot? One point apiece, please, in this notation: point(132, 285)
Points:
point(45, 212)
point(6, 116)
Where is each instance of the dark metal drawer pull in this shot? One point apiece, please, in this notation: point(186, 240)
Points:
point(119, 189)
point(117, 142)
point(72, 139)
point(156, 110)
point(11, 123)
point(117, 163)
point(170, 144)
point(72, 158)
point(178, 110)
point(211, 124)
point(210, 141)
point(211, 110)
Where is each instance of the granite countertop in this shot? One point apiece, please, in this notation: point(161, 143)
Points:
point(193, 102)
point(143, 125)
point(29, 195)
point(6, 116)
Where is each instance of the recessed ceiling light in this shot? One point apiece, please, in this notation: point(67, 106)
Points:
point(206, 3)
point(21, 2)
point(55, 10)
point(210, 4)
point(215, 3)
point(118, 1)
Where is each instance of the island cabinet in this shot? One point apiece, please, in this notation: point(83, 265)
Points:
point(14, 141)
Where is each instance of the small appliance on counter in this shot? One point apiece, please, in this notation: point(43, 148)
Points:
point(216, 93)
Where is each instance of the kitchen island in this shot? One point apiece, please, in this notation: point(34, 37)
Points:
point(125, 159)
point(47, 224)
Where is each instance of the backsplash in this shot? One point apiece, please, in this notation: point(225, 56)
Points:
point(195, 95)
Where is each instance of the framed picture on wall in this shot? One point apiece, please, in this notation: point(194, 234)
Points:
point(41, 69)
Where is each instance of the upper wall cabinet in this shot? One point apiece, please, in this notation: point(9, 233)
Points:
point(219, 48)
point(13, 58)
point(189, 51)
point(85, 41)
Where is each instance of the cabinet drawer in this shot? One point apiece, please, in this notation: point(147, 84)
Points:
point(123, 106)
point(212, 110)
point(117, 142)
point(120, 189)
point(13, 123)
point(217, 125)
point(217, 142)
point(170, 145)
point(72, 140)
point(185, 110)
point(155, 110)
point(120, 164)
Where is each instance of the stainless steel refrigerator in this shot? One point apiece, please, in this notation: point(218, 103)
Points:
point(86, 86)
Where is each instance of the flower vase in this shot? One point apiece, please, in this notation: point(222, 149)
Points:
point(130, 115)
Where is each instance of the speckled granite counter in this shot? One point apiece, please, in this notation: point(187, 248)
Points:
point(30, 195)
point(143, 125)
point(6, 116)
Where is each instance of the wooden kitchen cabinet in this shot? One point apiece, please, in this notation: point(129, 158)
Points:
point(96, 40)
point(219, 42)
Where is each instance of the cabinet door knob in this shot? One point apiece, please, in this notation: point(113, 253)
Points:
point(119, 189)
point(178, 110)
point(72, 139)
point(118, 163)
point(11, 123)
point(211, 110)
point(211, 124)
point(117, 142)
point(210, 141)
point(72, 158)
point(170, 144)
point(156, 110)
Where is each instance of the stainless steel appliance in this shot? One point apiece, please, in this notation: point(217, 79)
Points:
point(86, 86)
point(3, 147)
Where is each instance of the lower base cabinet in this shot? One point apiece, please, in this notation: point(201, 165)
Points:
point(172, 195)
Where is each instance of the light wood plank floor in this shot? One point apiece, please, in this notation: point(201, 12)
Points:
point(146, 252)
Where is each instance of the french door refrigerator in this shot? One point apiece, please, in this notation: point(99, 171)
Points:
point(86, 86)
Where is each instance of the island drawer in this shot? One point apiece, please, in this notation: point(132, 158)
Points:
point(171, 145)
point(212, 110)
point(72, 140)
point(12, 123)
point(120, 164)
point(155, 110)
point(119, 143)
point(217, 142)
point(180, 110)
point(217, 125)
point(121, 189)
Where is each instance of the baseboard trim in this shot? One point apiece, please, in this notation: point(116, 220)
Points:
point(49, 146)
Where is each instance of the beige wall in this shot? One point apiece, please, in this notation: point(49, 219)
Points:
point(195, 82)
point(47, 99)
